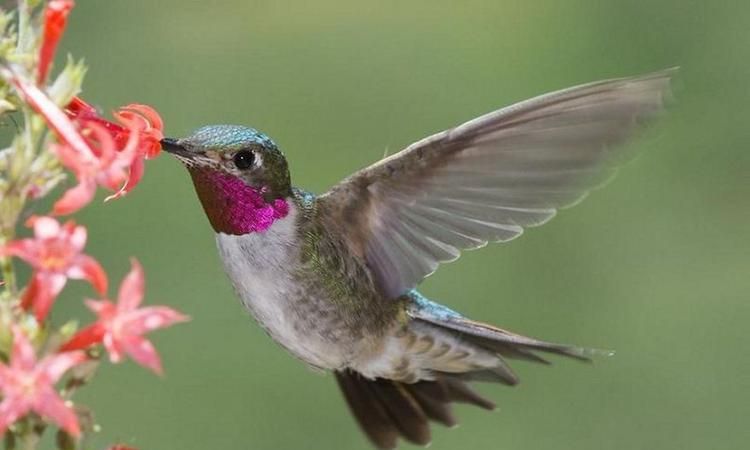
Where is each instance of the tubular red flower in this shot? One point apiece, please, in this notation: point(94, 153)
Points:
point(55, 18)
point(139, 125)
point(56, 254)
point(28, 385)
point(83, 112)
point(120, 327)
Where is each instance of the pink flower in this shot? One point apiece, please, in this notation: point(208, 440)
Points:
point(121, 326)
point(55, 19)
point(28, 385)
point(55, 253)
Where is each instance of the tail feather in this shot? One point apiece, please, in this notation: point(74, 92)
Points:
point(510, 346)
point(386, 409)
point(497, 340)
point(369, 411)
point(460, 392)
point(436, 407)
point(403, 409)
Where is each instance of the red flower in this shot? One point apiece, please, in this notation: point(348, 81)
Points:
point(121, 326)
point(139, 126)
point(142, 118)
point(55, 254)
point(55, 19)
point(28, 385)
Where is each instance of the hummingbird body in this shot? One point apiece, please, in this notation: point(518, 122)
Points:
point(306, 291)
point(298, 295)
point(332, 278)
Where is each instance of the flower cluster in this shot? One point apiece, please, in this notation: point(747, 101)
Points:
point(61, 134)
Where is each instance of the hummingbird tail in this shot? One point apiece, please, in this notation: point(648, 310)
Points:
point(501, 342)
point(387, 409)
point(424, 365)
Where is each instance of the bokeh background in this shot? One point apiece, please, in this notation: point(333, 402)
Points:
point(654, 266)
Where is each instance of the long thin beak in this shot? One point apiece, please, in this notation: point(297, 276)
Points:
point(171, 145)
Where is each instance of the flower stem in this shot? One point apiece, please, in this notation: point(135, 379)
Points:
point(25, 32)
point(28, 435)
point(6, 268)
point(10, 441)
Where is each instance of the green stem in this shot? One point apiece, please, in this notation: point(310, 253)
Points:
point(24, 27)
point(10, 441)
point(6, 268)
point(27, 435)
point(28, 441)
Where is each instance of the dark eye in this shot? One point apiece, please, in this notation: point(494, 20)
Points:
point(244, 159)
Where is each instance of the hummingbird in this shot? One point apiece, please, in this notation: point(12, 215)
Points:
point(332, 278)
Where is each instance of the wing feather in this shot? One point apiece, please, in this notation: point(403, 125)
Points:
point(488, 179)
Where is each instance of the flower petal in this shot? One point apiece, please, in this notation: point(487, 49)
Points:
point(4, 374)
point(44, 227)
point(154, 119)
point(128, 159)
point(151, 318)
point(143, 352)
point(131, 289)
point(114, 348)
point(49, 405)
point(25, 249)
point(134, 177)
point(41, 293)
point(79, 109)
point(102, 308)
point(31, 293)
point(85, 338)
point(11, 409)
point(55, 19)
point(80, 164)
point(22, 354)
point(86, 267)
point(54, 366)
point(75, 198)
point(146, 120)
point(77, 235)
point(51, 113)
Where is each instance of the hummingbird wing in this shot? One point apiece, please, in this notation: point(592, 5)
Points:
point(489, 178)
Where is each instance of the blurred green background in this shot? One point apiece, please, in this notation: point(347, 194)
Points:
point(654, 266)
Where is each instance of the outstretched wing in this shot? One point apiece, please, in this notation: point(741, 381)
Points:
point(488, 179)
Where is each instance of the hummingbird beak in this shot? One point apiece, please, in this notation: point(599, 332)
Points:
point(171, 145)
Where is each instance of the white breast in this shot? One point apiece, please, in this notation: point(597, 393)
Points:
point(260, 267)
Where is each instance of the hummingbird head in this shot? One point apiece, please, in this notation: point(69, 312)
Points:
point(240, 176)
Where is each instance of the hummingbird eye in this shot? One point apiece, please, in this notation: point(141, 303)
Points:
point(244, 159)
